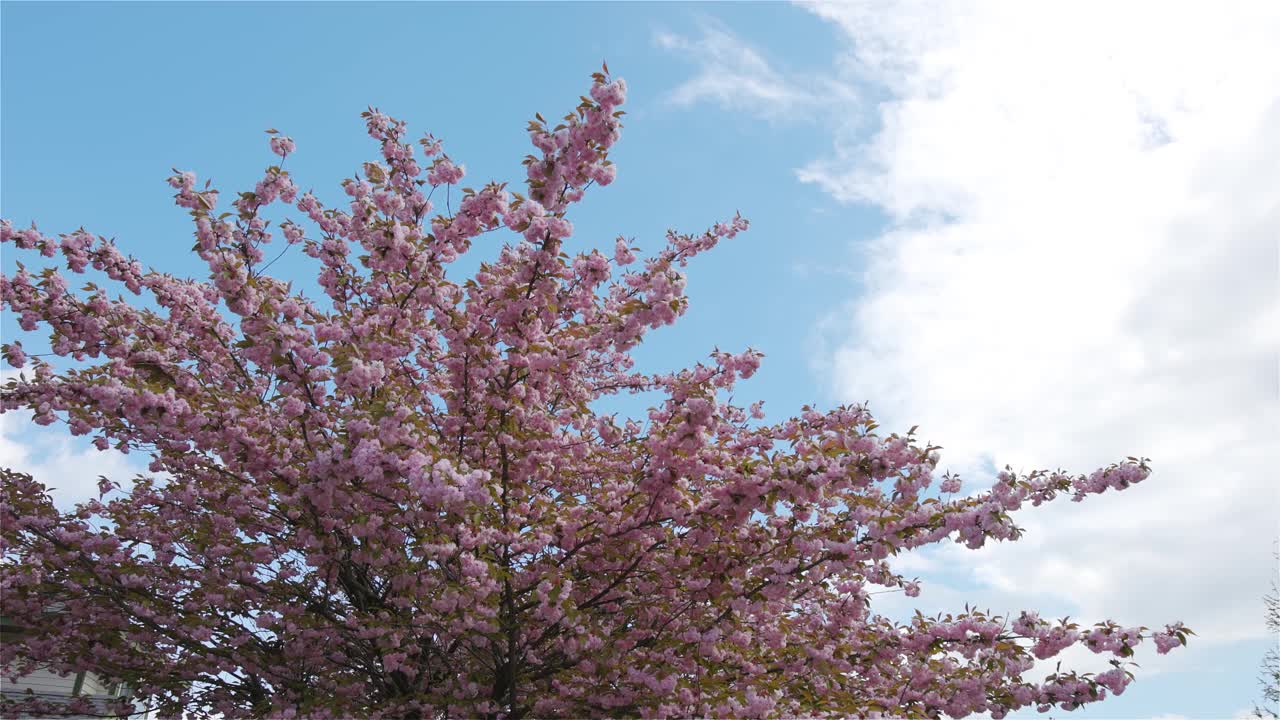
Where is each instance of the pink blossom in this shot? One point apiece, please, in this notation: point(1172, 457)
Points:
point(14, 354)
point(444, 172)
point(281, 145)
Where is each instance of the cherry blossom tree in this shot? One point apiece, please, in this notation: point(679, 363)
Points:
point(403, 499)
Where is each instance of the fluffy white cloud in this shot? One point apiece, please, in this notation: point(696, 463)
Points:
point(1081, 265)
point(69, 466)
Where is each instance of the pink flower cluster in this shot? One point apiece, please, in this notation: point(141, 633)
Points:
point(444, 172)
point(282, 146)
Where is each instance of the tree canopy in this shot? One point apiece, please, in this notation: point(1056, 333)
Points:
point(402, 500)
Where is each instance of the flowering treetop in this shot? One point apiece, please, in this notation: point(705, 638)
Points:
point(400, 501)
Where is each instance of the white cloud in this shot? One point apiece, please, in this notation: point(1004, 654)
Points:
point(69, 466)
point(1082, 266)
point(736, 76)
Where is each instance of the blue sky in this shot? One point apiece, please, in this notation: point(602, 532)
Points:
point(1046, 252)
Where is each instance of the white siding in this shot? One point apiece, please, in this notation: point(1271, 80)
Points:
point(94, 685)
point(40, 681)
